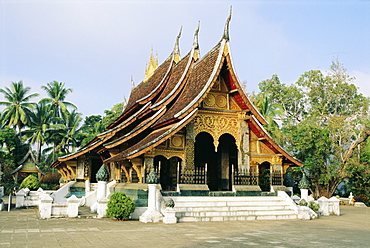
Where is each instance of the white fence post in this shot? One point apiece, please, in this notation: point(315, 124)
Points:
point(72, 209)
point(45, 206)
point(19, 198)
point(324, 206)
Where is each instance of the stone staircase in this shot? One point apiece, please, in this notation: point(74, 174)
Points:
point(190, 209)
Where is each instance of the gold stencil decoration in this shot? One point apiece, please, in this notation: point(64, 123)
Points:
point(210, 100)
point(221, 101)
point(234, 105)
point(177, 141)
point(217, 125)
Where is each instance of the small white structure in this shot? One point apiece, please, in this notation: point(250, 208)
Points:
point(324, 205)
point(102, 207)
point(151, 214)
point(73, 203)
point(169, 213)
point(45, 206)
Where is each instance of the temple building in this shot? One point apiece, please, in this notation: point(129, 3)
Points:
point(191, 122)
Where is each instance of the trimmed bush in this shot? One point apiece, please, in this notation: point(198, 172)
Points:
point(362, 198)
point(120, 206)
point(51, 178)
point(314, 206)
point(30, 182)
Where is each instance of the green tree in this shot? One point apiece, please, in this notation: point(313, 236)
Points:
point(92, 126)
point(18, 109)
point(12, 150)
point(57, 93)
point(66, 135)
point(113, 114)
point(323, 116)
point(40, 125)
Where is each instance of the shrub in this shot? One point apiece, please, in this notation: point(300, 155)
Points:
point(362, 198)
point(50, 178)
point(30, 182)
point(314, 206)
point(120, 206)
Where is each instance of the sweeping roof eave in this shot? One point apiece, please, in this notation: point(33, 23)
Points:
point(270, 140)
point(140, 127)
point(80, 152)
point(240, 90)
point(152, 140)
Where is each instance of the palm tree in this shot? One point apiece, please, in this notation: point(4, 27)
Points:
point(67, 135)
point(57, 93)
point(18, 108)
point(37, 133)
point(271, 111)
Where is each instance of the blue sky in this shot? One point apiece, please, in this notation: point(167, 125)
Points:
point(95, 47)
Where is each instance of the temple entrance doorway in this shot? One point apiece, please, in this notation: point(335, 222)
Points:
point(264, 176)
point(205, 154)
point(95, 166)
point(167, 171)
point(227, 159)
point(220, 163)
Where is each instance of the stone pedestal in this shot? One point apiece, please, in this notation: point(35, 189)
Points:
point(19, 198)
point(324, 205)
point(102, 207)
point(102, 190)
point(73, 203)
point(151, 214)
point(169, 216)
point(45, 206)
point(334, 205)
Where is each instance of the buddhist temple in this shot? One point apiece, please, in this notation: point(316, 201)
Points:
point(191, 122)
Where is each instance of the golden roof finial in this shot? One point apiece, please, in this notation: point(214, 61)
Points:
point(151, 66)
point(226, 29)
point(196, 43)
point(176, 49)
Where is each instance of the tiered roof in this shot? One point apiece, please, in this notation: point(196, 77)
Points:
point(163, 104)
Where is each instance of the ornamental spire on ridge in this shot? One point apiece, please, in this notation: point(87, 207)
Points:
point(176, 49)
point(196, 43)
point(226, 29)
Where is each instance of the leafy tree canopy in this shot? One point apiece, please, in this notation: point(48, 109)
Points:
point(323, 116)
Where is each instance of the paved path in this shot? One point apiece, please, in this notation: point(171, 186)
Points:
point(22, 228)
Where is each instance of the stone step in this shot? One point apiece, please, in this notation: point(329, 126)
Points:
point(236, 208)
point(238, 218)
point(226, 198)
point(232, 208)
point(233, 213)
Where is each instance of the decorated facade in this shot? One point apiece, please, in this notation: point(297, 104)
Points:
point(191, 122)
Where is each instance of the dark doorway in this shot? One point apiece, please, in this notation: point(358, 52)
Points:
point(205, 154)
point(167, 171)
point(95, 166)
point(264, 176)
point(227, 158)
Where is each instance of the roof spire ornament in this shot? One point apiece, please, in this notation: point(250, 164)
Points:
point(176, 49)
point(226, 29)
point(132, 83)
point(196, 43)
point(152, 66)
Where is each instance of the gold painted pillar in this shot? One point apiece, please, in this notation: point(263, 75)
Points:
point(137, 165)
point(189, 147)
point(243, 148)
point(277, 171)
